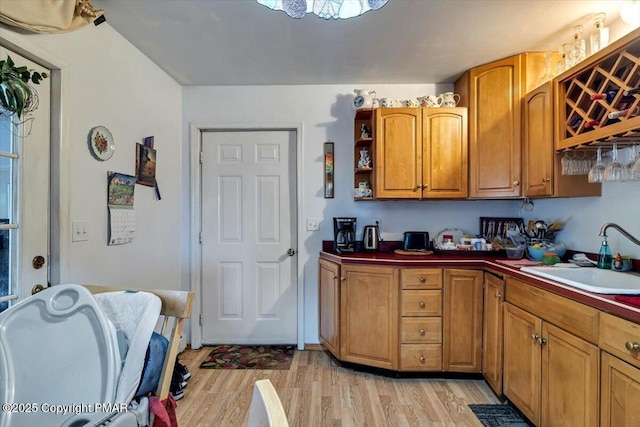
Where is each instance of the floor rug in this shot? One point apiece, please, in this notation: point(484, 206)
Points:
point(495, 415)
point(249, 357)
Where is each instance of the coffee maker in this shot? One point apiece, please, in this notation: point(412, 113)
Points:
point(344, 235)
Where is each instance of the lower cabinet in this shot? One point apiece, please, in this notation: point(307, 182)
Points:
point(492, 331)
point(369, 316)
point(462, 320)
point(549, 374)
point(329, 300)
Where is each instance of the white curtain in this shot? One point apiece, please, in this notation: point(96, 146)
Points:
point(48, 16)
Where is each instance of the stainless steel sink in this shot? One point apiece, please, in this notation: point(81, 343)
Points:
point(590, 279)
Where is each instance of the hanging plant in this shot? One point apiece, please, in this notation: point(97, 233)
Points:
point(17, 96)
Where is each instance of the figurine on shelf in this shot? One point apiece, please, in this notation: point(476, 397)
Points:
point(365, 160)
point(364, 131)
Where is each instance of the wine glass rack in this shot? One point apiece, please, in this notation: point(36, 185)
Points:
point(591, 106)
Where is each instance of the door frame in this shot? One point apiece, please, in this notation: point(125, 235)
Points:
point(195, 226)
point(59, 159)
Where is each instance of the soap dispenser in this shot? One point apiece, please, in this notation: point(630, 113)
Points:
point(604, 256)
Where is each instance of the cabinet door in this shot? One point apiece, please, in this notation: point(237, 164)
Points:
point(538, 142)
point(398, 159)
point(462, 320)
point(329, 310)
point(495, 94)
point(369, 316)
point(492, 332)
point(444, 153)
point(569, 379)
point(619, 394)
point(522, 358)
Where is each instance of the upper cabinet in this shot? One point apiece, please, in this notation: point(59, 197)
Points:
point(420, 153)
point(493, 93)
point(590, 100)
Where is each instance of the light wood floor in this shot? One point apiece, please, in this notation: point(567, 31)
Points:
point(317, 392)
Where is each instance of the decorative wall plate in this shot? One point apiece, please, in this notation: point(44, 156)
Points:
point(101, 144)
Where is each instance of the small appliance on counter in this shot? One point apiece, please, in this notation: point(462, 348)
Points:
point(371, 238)
point(344, 235)
point(415, 241)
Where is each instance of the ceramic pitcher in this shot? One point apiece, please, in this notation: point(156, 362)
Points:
point(364, 98)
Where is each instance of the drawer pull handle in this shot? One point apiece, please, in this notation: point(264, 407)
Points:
point(422, 359)
point(422, 304)
point(422, 332)
point(422, 279)
point(632, 346)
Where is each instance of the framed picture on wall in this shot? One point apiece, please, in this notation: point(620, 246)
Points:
point(145, 165)
point(328, 170)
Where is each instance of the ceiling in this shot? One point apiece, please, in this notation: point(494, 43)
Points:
point(240, 42)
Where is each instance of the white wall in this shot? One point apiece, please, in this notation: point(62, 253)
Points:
point(109, 82)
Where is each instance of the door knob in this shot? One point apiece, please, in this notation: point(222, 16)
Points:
point(291, 252)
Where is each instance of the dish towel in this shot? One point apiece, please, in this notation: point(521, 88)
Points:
point(634, 301)
point(164, 411)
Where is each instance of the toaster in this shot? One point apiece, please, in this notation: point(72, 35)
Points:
point(415, 241)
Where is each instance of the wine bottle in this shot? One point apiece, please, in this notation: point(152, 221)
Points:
point(590, 125)
point(627, 112)
point(630, 92)
point(608, 95)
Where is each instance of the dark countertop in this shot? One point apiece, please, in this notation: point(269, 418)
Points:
point(500, 265)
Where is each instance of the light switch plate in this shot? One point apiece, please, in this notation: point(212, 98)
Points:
point(79, 231)
point(313, 224)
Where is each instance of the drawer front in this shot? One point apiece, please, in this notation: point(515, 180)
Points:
point(572, 316)
point(421, 357)
point(421, 303)
point(421, 278)
point(616, 334)
point(421, 330)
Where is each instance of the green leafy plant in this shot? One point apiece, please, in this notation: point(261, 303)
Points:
point(16, 95)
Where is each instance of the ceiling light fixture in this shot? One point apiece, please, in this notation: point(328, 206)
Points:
point(336, 9)
point(630, 12)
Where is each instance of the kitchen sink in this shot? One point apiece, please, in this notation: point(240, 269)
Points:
point(590, 279)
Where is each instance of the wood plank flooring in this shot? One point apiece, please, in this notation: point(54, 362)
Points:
point(318, 392)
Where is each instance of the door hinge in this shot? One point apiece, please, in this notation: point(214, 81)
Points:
point(201, 157)
point(200, 319)
point(200, 237)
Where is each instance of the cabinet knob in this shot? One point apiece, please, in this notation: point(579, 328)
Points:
point(424, 186)
point(418, 187)
point(498, 296)
point(535, 337)
point(542, 341)
point(422, 359)
point(423, 279)
point(422, 332)
point(342, 278)
point(632, 346)
point(545, 180)
point(422, 304)
point(516, 183)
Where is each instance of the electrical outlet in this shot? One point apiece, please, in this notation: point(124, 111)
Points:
point(313, 224)
point(79, 232)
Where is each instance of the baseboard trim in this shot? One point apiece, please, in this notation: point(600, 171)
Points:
point(313, 347)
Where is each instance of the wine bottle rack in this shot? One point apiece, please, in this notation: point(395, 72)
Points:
point(610, 71)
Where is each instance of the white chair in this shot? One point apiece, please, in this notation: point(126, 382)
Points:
point(266, 409)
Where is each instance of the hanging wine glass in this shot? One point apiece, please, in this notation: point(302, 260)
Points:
point(616, 170)
point(597, 171)
point(634, 164)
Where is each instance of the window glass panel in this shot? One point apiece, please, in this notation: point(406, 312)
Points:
point(6, 141)
point(8, 187)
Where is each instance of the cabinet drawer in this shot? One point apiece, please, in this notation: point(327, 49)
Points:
point(421, 330)
point(615, 333)
point(421, 278)
point(421, 357)
point(572, 316)
point(421, 303)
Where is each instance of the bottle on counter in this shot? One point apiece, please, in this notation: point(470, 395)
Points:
point(604, 256)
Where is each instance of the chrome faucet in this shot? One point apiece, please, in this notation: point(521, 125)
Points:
point(625, 233)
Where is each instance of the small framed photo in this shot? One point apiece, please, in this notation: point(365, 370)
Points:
point(328, 170)
point(145, 165)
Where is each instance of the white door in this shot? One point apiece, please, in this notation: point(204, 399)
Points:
point(24, 195)
point(248, 200)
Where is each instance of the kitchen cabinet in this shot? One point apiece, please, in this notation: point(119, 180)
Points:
point(492, 331)
point(329, 280)
point(462, 320)
point(364, 139)
point(493, 94)
point(421, 153)
point(369, 315)
point(542, 166)
point(421, 319)
point(549, 373)
point(620, 372)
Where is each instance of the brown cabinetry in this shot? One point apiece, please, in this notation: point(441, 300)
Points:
point(492, 331)
point(462, 320)
point(420, 153)
point(369, 316)
point(421, 319)
point(542, 167)
point(364, 139)
point(329, 310)
point(493, 94)
point(549, 373)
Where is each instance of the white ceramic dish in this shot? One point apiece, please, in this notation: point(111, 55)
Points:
point(456, 236)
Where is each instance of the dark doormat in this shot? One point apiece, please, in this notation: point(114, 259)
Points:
point(494, 415)
point(249, 357)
